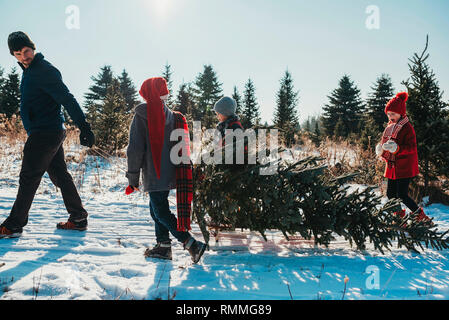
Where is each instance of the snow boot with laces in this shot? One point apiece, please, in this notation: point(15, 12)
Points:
point(162, 250)
point(195, 248)
point(80, 225)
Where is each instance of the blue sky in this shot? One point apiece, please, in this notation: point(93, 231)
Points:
point(318, 41)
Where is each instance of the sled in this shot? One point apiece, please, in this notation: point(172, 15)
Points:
point(245, 241)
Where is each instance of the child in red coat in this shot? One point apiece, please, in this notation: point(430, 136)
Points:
point(398, 149)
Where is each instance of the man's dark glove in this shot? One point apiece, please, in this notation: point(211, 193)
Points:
point(87, 137)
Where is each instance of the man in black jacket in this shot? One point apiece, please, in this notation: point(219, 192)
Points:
point(42, 94)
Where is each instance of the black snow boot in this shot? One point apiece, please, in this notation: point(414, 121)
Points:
point(162, 250)
point(195, 248)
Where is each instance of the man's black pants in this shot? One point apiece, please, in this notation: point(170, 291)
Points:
point(43, 152)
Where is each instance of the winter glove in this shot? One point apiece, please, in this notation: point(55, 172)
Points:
point(390, 146)
point(379, 150)
point(87, 137)
point(130, 189)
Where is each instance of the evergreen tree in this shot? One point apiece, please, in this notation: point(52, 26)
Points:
point(238, 99)
point(306, 125)
point(128, 91)
point(340, 129)
point(382, 92)
point(370, 134)
point(167, 74)
point(184, 100)
point(285, 116)
point(429, 115)
point(302, 199)
point(286, 103)
point(346, 106)
point(10, 94)
point(111, 126)
point(316, 136)
point(98, 91)
point(250, 112)
point(207, 91)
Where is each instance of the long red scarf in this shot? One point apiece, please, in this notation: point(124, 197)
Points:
point(184, 180)
point(391, 132)
point(152, 89)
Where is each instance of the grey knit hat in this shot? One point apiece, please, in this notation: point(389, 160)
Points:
point(226, 106)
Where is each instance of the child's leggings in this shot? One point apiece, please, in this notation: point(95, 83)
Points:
point(398, 189)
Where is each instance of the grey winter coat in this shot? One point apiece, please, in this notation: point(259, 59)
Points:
point(140, 157)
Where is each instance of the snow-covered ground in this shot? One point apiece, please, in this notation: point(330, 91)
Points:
point(107, 261)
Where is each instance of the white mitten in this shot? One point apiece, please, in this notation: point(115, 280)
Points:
point(390, 146)
point(379, 149)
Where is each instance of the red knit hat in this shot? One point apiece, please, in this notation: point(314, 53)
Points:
point(152, 90)
point(397, 104)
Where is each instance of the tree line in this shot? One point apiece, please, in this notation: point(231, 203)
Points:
point(111, 98)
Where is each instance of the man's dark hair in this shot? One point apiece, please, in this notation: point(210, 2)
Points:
point(18, 40)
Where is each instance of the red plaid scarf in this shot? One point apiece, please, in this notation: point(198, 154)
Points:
point(391, 132)
point(184, 180)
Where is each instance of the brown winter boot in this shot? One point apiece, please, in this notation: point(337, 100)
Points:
point(162, 250)
point(80, 225)
point(195, 248)
point(6, 233)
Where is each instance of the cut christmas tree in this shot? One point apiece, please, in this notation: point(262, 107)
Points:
point(302, 198)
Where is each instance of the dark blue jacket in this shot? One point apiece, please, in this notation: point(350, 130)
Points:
point(42, 94)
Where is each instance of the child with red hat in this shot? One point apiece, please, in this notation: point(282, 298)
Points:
point(399, 150)
point(149, 152)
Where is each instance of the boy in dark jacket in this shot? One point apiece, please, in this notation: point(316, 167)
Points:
point(42, 94)
point(225, 109)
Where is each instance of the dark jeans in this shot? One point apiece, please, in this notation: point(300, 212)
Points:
point(43, 152)
point(398, 189)
point(164, 220)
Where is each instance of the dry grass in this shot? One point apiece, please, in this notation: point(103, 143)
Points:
point(343, 157)
point(11, 130)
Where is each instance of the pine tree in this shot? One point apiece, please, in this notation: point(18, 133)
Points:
point(97, 93)
point(167, 74)
point(184, 100)
point(301, 198)
point(111, 124)
point(207, 91)
point(10, 94)
point(340, 129)
point(99, 89)
point(306, 125)
point(430, 118)
point(250, 112)
point(382, 92)
point(238, 99)
point(316, 136)
point(370, 134)
point(286, 115)
point(128, 91)
point(346, 105)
